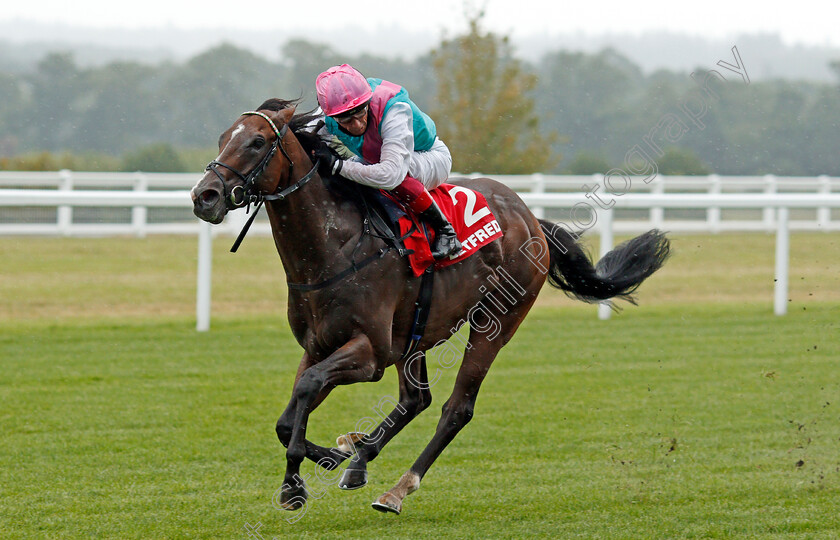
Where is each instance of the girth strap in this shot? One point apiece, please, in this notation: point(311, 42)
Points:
point(371, 220)
point(422, 307)
point(305, 287)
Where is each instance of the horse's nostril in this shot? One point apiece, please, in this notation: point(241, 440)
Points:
point(209, 197)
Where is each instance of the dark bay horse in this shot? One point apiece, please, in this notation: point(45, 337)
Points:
point(353, 328)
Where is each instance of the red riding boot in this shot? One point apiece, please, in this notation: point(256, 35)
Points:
point(415, 195)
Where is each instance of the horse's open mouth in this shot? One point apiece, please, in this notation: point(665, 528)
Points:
point(208, 203)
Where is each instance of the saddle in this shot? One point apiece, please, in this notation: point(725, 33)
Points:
point(466, 210)
point(385, 218)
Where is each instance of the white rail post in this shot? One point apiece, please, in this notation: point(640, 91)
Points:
point(139, 214)
point(824, 212)
point(780, 303)
point(538, 187)
point(713, 214)
point(769, 189)
point(604, 311)
point(65, 213)
point(205, 262)
point(657, 213)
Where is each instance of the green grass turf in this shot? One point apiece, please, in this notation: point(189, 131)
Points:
point(697, 414)
point(695, 421)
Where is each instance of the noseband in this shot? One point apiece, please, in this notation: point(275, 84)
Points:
point(239, 196)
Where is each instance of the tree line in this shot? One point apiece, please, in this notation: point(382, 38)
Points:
point(570, 112)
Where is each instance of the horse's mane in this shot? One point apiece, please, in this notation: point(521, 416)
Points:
point(305, 126)
point(302, 125)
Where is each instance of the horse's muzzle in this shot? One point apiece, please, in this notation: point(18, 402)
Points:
point(208, 203)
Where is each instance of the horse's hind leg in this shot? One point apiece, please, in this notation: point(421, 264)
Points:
point(415, 397)
point(458, 409)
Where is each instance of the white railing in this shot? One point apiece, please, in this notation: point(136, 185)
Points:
point(122, 199)
point(712, 185)
point(65, 181)
point(779, 203)
point(712, 219)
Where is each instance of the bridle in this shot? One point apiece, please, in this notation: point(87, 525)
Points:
point(240, 195)
point(247, 193)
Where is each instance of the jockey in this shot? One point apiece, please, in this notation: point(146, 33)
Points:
point(394, 143)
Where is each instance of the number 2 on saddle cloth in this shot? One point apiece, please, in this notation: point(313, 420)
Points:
point(469, 215)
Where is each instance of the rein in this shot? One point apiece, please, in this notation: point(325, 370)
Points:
point(247, 193)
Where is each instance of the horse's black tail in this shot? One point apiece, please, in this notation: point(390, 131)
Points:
point(617, 275)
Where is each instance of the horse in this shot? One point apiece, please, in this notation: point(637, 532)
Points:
point(348, 337)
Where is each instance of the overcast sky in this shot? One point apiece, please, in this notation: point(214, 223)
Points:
point(804, 21)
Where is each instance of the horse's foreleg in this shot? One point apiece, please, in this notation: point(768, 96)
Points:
point(353, 362)
point(314, 452)
point(415, 397)
point(329, 458)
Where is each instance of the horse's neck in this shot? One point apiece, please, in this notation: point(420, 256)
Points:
point(310, 228)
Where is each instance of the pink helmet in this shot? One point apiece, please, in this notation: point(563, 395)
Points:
point(340, 89)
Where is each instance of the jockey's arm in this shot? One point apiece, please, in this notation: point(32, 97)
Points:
point(397, 132)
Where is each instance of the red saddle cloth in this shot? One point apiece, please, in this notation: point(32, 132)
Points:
point(469, 215)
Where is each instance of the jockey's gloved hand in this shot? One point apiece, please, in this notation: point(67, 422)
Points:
point(330, 161)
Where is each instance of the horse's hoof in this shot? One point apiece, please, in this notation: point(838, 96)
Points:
point(347, 443)
point(353, 479)
point(387, 503)
point(292, 498)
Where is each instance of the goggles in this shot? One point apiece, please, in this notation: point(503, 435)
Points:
point(354, 114)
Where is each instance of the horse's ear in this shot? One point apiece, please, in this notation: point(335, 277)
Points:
point(284, 116)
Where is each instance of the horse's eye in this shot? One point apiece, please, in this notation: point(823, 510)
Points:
point(258, 143)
